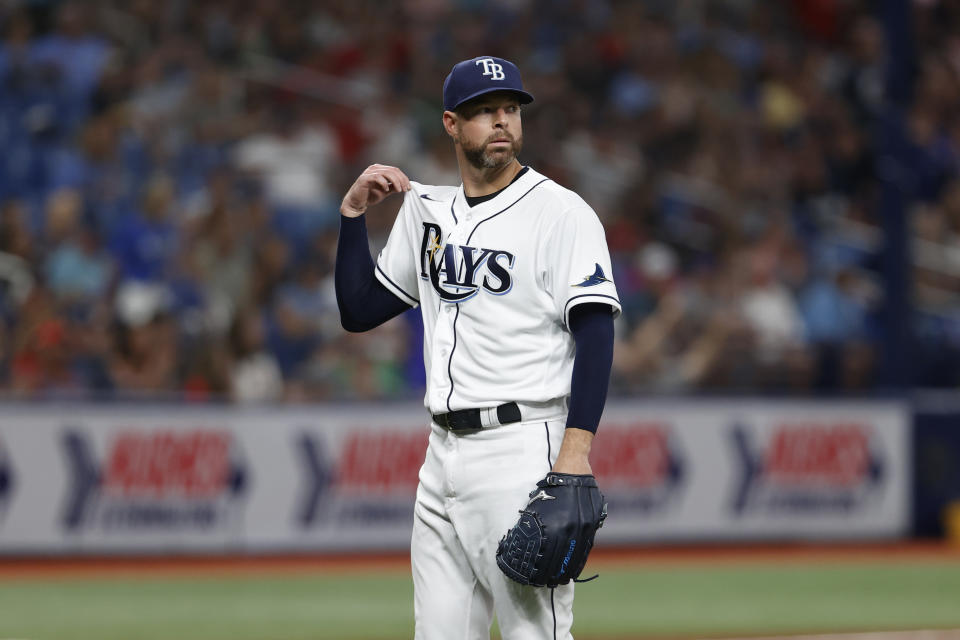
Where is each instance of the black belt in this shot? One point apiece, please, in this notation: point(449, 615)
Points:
point(466, 419)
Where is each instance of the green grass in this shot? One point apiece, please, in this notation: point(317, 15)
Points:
point(623, 603)
point(764, 599)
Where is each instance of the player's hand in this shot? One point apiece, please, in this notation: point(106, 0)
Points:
point(376, 183)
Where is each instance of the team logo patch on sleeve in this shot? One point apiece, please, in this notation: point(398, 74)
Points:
point(594, 278)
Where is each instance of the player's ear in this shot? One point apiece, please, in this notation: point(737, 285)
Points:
point(450, 123)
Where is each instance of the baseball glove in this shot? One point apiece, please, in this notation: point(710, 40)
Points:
point(549, 544)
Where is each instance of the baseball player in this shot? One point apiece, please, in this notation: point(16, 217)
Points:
point(512, 275)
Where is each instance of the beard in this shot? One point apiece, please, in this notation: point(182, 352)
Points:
point(480, 158)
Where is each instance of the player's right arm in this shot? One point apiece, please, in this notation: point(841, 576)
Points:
point(364, 302)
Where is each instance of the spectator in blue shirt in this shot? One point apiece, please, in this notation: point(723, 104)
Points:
point(145, 246)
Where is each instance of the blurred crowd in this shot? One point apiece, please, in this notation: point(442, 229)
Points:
point(171, 176)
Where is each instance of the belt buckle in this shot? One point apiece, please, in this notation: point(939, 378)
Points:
point(451, 422)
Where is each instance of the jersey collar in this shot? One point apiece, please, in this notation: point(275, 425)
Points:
point(509, 195)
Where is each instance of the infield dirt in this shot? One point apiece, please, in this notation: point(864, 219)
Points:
point(25, 567)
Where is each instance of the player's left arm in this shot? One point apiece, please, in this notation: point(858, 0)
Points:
point(592, 327)
point(550, 543)
point(575, 253)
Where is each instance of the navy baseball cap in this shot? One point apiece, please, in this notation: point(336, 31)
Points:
point(477, 76)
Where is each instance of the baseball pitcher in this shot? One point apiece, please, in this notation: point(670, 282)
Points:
point(512, 275)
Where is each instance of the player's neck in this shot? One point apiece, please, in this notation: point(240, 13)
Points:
point(481, 182)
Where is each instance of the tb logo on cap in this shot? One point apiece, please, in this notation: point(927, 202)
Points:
point(492, 69)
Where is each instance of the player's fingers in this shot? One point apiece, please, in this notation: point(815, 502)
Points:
point(400, 177)
point(393, 174)
point(370, 177)
point(382, 182)
point(397, 177)
point(377, 169)
point(404, 181)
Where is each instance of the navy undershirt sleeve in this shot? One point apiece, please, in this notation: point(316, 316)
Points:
point(363, 301)
point(592, 328)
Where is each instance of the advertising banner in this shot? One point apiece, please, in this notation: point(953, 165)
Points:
point(149, 479)
point(84, 478)
point(755, 470)
point(158, 479)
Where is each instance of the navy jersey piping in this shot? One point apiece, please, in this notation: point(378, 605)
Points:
point(440, 300)
point(504, 209)
point(585, 295)
point(397, 286)
point(454, 348)
point(546, 427)
point(553, 610)
point(450, 359)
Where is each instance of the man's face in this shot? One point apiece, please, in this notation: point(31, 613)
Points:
point(488, 130)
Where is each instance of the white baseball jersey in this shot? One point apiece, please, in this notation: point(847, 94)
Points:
point(496, 283)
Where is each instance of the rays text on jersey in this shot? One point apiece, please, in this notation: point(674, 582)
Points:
point(459, 272)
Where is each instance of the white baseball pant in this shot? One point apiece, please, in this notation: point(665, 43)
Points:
point(471, 490)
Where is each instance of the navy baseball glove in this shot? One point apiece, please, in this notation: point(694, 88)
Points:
point(549, 544)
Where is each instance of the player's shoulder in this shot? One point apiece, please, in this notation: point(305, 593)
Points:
point(431, 193)
point(560, 199)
